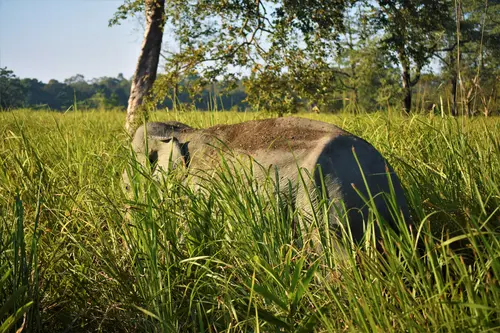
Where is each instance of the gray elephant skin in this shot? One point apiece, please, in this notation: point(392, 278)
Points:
point(288, 144)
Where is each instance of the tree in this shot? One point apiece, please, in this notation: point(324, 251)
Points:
point(219, 35)
point(61, 96)
point(147, 65)
point(339, 68)
point(412, 30)
point(35, 94)
point(369, 77)
point(469, 54)
point(11, 90)
point(78, 78)
point(479, 66)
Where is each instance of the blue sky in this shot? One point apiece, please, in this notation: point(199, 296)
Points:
point(56, 39)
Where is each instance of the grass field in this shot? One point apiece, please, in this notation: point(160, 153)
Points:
point(225, 260)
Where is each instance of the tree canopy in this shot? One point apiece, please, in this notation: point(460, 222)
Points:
point(359, 53)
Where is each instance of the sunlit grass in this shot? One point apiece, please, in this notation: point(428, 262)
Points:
point(76, 254)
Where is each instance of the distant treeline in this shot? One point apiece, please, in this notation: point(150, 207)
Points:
point(32, 93)
point(431, 94)
point(100, 93)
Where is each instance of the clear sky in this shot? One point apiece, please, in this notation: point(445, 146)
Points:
point(56, 39)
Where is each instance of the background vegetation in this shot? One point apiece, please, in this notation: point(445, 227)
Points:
point(103, 94)
point(355, 54)
point(224, 259)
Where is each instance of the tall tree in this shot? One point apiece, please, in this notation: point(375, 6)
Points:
point(219, 35)
point(479, 66)
point(459, 32)
point(412, 30)
point(147, 65)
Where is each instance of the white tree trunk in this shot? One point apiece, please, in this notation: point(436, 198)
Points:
point(147, 65)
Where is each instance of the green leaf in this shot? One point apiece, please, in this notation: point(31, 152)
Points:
point(296, 274)
point(263, 291)
point(305, 282)
point(270, 318)
point(12, 320)
point(14, 297)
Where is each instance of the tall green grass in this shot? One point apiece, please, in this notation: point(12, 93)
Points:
point(77, 254)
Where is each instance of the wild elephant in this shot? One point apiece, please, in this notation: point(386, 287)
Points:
point(342, 163)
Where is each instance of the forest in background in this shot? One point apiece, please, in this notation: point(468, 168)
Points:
point(100, 93)
point(113, 92)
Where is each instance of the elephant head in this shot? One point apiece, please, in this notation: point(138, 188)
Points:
point(157, 145)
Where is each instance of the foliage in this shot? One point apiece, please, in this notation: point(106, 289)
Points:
point(478, 64)
point(193, 92)
point(214, 37)
point(330, 55)
point(105, 92)
point(10, 89)
point(224, 258)
point(20, 271)
point(109, 93)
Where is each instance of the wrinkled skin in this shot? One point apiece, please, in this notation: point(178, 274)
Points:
point(284, 143)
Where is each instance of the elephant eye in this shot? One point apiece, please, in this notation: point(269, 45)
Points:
point(153, 158)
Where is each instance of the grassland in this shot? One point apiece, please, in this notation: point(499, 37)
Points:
point(225, 260)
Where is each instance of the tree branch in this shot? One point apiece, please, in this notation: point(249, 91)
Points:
point(442, 59)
